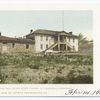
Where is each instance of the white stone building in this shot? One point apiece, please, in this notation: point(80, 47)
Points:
point(53, 41)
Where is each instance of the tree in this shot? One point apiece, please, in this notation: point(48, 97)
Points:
point(85, 45)
point(82, 39)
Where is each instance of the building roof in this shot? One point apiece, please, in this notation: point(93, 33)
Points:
point(51, 32)
point(15, 40)
point(42, 31)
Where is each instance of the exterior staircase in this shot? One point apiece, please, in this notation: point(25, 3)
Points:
point(56, 43)
point(68, 44)
point(52, 46)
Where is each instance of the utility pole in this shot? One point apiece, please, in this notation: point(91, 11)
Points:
point(63, 20)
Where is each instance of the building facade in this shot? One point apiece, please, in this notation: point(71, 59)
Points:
point(40, 41)
point(16, 45)
point(53, 41)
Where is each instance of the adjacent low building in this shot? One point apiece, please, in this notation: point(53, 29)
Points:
point(15, 45)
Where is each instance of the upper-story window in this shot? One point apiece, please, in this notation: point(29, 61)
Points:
point(46, 38)
point(41, 38)
point(73, 39)
point(69, 39)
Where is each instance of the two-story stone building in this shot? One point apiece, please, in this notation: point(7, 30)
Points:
point(53, 41)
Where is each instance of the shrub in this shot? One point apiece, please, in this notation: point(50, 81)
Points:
point(34, 65)
point(59, 80)
point(77, 76)
point(82, 79)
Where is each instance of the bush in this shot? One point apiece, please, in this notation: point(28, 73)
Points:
point(82, 79)
point(59, 80)
point(34, 65)
point(77, 76)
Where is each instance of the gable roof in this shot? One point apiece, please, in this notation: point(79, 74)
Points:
point(50, 32)
point(15, 40)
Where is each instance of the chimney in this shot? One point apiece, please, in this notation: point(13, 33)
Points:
point(70, 33)
point(0, 33)
point(31, 31)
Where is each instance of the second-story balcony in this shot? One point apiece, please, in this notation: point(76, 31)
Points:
point(61, 39)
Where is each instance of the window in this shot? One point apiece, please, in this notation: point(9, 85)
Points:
point(73, 39)
point(27, 46)
point(46, 38)
point(13, 45)
point(69, 39)
point(41, 46)
point(46, 46)
point(41, 38)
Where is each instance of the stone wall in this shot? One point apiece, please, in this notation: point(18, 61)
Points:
point(16, 48)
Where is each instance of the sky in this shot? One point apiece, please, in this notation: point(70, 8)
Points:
point(19, 23)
